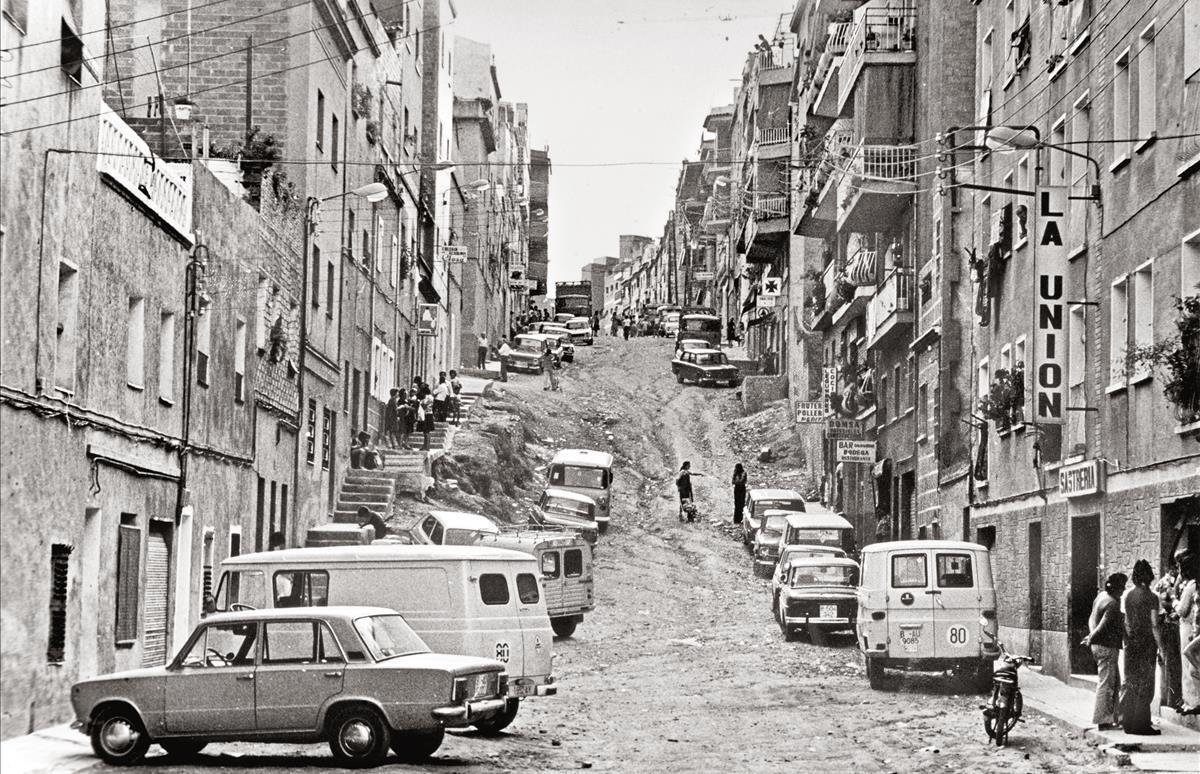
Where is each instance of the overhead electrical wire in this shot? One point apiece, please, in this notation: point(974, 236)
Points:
point(107, 28)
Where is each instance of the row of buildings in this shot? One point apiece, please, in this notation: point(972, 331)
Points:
point(984, 221)
point(228, 231)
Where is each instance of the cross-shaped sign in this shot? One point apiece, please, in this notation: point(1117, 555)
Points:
point(770, 286)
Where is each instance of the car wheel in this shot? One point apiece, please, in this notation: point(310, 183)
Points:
point(118, 736)
point(679, 377)
point(415, 746)
point(775, 608)
point(563, 627)
point(494, 725)
point(789, 634)
point(182, 748)
point(875, 674)
point(358, 737)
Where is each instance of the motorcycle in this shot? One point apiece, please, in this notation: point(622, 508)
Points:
point(1003, 710)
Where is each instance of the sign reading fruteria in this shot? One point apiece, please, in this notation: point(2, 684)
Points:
point(811, 411)
point(855, 451)
point(1084, 478)
point(1050, 295)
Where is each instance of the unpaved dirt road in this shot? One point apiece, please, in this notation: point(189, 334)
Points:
point(681, 668)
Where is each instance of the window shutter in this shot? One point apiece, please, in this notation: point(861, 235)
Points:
point(129, 555)
point(60, 558)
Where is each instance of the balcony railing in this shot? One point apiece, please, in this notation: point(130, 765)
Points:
point(774, 59)
point(883, 163)
point(894, 296)
point(839, 37)
point(774, 135)
point(767, 206)
point(878, 30)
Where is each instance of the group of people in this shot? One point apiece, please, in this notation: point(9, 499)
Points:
point(1155, 624)
point(683, 483)
point(407, 412)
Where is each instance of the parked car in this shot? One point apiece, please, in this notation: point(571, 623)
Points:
point(671, 323)
point(707, 366)
point(565, 508)
point(452, 528)
point(357, 677)
point(789, 554)
point(766, 542)
point(927, 605)
point(817, 595)
point(821, 527)
point(553, 342)
point(470, 600)
point(560, 337)
point(586, 472)
point(527, 352)
point(760, 500)
point(580, 329)
point(566, 561)
point(686, 345)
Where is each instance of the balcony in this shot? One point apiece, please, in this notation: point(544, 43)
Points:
point(774, 135)
point(766, 230)
point(891, 308)
point(876, 186)
point(773, 67)
point(881, 36)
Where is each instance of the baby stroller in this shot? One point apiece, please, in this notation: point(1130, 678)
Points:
point(688, 509)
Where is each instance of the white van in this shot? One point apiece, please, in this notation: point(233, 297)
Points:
point(452, 528)
point(468, 600)
point(927, 605)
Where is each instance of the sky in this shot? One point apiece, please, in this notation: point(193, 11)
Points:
point(621, 82)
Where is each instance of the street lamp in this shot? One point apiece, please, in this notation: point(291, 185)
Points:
point(1029, 138)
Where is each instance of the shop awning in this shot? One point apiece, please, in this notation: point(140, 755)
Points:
point(428, 291)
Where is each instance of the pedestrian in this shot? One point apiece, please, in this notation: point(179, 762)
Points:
point(421, 387)
point(404, 415)
point(1105, 630)
point(441, 398)
point(367, 516)
point(627, 324)
point(1187, 607)
point(356, 450)
point(730, 330)
point(739, 492)
point(741, 332)
point(683, 482)
point(1143, 650)
point(1166, 589)
point(548, 369)
point(391, 419)
point(504, 353)
point(481, 351)
point(455, 397)
point(595, 323)
point(614, 323)
point(425, 418)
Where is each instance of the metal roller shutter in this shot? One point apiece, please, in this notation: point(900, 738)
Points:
point(158, 570)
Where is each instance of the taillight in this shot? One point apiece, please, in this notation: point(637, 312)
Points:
point(460, 690)
point(878, 615)
point(989, 614)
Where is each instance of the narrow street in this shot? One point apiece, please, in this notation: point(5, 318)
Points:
point(681, 667)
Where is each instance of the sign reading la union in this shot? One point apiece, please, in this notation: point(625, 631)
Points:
point(1050, 341)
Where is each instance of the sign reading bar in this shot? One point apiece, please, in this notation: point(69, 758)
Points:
point(843, 428)
point(855, 451)
point(1050, 293)
point(810, 411)
point(1084, 478)
point(427, 315)
point(703, 276)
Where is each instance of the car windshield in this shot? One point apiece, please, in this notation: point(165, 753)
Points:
point(388, 636)
point(816, 536)
point(687, 344)
point(567, 507)
point(822, 575)
point(700, 324)
point(780, 505)
point(529, 345)
point(714, 358)
point(775, 524)
point(578, 325)
point(585, 478)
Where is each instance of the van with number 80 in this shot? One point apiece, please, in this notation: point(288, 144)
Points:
point(927, 605)
point(467, 600)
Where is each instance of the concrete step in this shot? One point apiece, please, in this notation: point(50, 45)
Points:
point(366, 497)
point(372, 485)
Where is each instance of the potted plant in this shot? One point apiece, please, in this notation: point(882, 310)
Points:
point(360, 100)
point(1004, 404)
point(1177, 360)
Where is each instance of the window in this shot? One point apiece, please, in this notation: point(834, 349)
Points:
point(315, 293)
point(493, 589)
point(1191, 38)
point(900, 401)
point(954, 571)
point(330, 288)
point(1057, 160)
point(166, 357)
point(283, 511)
point(1120, 109)
point(239, 361)
point(1189, 266)
point(983, 378)
point(433, 528)
point(333, 142)
point(1081, 132)
point(350, 229)
point(1118, 329)
point(135, 344)
point(129, 578)
point(923, 410)
point(326, 436)
point(301, 588)
point(67, 332)
point(909, 571)
point(986, 61)
point(71, 53)
point(550, 565)
point(527, 589)
point(1076, 374)
point(203, 343)
point(1020, 213)
point(290, 642)
point(1143, 314)
point(222, 645)
point(320, 119)
point(261, 297)
point(18, 13)
point(573, 562)
point(1147, 84)
point(395, 275)
point(378, 249)
point(60, 561)
point(882, 402)
point(311, 450)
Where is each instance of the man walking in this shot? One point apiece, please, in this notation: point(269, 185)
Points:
point(1143, 652)
point(481, 351)
point(548, 369)
point(505, 351)
point(1104, 638)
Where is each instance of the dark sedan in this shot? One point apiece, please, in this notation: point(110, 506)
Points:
point(706, 366)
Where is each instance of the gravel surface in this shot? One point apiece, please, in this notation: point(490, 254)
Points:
point(681, 667)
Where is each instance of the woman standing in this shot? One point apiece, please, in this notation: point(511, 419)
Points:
point(739, 492)
point(684, 482)
point(1143, 651)
point(425, 418)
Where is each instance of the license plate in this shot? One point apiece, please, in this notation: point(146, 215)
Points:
point(829, 611)
point(518, 690)
point(910, 639)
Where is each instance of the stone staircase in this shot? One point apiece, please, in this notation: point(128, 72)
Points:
point(403, 470)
